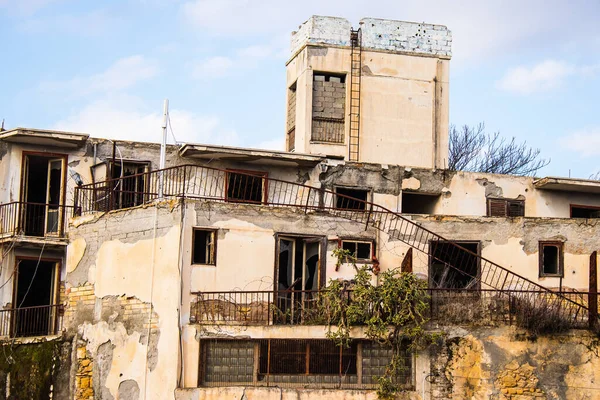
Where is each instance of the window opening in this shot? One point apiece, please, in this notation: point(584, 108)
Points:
point(130, 187)
point(453, 267)
point(505, 208)
point(298, 274)
point(204, 247)
point(416, 203)
point(351, 198)
point(34, 295)
point(291, 118)
point(42, 192)
point(328, 107)
point(246, 187)
point(585, 211)
point(551, 259)
point(361, 250)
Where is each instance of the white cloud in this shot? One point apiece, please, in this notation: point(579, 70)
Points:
point(542, 77)
point(127, 118)
point(122, 74)
point(586, 142)
point(24, 7)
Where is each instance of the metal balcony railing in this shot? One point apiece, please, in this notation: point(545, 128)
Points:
point(200, 182)
point(31, 321)
point(32, 219)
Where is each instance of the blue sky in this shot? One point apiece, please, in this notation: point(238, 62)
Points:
point(527, 69)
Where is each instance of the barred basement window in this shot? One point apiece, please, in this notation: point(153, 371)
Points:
point(551, 259)
point(204, 246)
point(505, 208)
point(361, 250)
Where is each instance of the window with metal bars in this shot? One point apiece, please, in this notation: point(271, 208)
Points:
point(246, 186)
point(307, 363)
point(497, 207)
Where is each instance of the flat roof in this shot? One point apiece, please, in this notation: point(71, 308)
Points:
point(249, 156)
point(567, 184)
point(44, 137)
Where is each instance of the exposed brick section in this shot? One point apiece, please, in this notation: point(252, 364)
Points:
point(328, 104)
point(291, 110)
point(83, 377)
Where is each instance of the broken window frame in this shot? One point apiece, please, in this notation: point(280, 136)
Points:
point(507, 204)
point(560, 259)
point(371, 244)
point(211, 248)
point(289, 299)
point(31, 210)
point(592, 209)
point(434, 260)
point(247, 174)
point(350, 202)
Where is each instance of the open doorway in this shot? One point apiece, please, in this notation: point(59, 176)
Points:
point(42, 192)
point(298, 274)
point(451, 267)
point(34, 297)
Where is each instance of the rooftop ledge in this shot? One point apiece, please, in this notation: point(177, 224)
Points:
point(567, 184)
point(377, 34)
point(250, 156)
point(44, 137)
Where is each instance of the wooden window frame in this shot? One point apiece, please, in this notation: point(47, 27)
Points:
point(561, 258)
point(507, 203)
point(586, 207)
point(259, 174)
point(371, 242)
point(214, 245)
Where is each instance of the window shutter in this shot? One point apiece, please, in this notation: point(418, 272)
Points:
point(496, 208)
point(516, 208)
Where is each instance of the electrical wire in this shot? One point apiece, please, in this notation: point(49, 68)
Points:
point(171, 127)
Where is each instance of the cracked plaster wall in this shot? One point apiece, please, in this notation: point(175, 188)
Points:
point(133, 275)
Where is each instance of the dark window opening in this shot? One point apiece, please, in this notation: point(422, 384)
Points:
point(42, 187)
point(204, 247)
point(130, 184)
point(505, 208)
point(360, 250)
point(453, 267)
point(351, 199)
point(551, 259)
point(34, 294)
point(246, 187)
point(585, 212)
point(416, 203)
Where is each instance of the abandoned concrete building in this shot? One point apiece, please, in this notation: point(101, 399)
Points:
point(121, 280)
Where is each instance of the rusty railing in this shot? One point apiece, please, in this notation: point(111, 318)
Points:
point(31, 321)
point(32, 219)
point(466, 269)
point(529, 309)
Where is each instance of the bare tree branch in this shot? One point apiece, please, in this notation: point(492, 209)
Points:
point(471, 149)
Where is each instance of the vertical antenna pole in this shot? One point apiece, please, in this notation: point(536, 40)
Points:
point(163, 149)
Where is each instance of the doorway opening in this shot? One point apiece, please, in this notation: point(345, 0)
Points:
point(451, 267)
point(34, 297)
point(298, 275)
point(42, 194)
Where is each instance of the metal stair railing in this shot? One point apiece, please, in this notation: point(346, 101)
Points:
point(201, 182)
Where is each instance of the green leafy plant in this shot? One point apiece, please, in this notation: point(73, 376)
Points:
point(393, 312)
